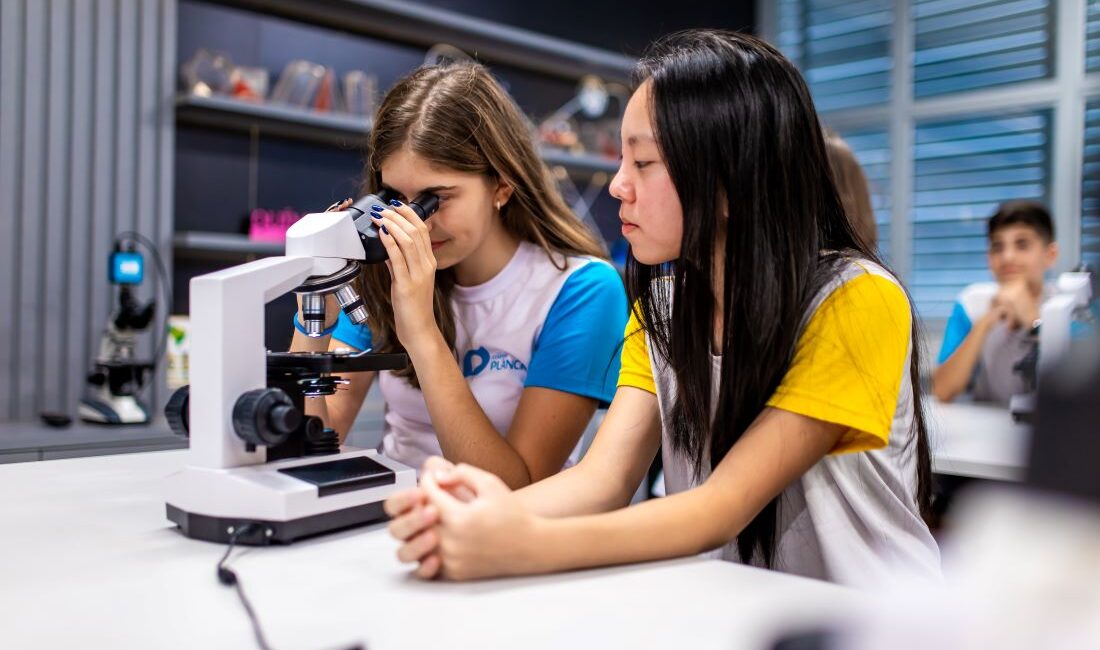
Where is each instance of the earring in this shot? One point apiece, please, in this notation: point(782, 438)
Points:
point(498, 206)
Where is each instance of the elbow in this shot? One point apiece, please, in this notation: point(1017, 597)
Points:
point(942, 390)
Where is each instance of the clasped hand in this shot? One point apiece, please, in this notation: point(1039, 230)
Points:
point(461, 523)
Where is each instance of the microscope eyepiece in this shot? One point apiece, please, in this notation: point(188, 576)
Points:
point(374, 251)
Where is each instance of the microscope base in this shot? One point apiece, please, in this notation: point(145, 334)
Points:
point(113, 409)
point(289, 499)
point(217, 529)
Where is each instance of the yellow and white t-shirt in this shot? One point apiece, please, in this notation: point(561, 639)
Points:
point(853, 517)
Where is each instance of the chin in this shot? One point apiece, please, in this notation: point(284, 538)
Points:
point(651, 256)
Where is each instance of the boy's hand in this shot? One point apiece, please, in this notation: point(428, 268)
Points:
point(1017, 305)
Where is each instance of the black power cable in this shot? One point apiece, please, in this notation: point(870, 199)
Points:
point(227, 577)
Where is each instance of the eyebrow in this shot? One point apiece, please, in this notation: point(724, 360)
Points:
point(645, 137)
point(435, 189)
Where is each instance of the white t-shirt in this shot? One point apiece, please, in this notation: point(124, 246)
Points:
point(533, 324)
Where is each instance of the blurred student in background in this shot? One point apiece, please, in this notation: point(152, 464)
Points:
point(991, 324)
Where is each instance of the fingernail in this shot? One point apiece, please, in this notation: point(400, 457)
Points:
point(395, 203)
point(377, 208)
point(375, 215)
point(384, 230)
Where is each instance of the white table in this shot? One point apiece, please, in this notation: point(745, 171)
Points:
point(87, 559)
point(977, 441)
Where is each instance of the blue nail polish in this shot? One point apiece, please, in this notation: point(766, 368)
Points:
point(395, 203)
point(375, 215)
point(385, 230)
point(377, 208)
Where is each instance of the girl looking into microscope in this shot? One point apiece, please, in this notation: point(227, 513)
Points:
point(511, 318)
point(770, 357)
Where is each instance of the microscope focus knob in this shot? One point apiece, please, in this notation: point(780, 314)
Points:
point(175, 411)
point(265, 416)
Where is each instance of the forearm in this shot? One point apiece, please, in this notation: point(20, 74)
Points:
point(951, 378)
point(578, 490)
point(464, 431)
point(680, 525)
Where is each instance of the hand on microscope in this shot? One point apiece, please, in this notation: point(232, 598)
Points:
point(412, 267)
point(415, 519)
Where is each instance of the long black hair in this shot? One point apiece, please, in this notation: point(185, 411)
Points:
point(738, 132)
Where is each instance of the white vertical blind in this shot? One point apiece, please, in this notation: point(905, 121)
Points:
point(842, 48)
point(971, 44)
point(1090, 188)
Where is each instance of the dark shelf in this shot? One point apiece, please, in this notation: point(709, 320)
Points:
point(581, 162)
point(286, 121)
point(219, 245)
point(407, 22)
point(326, 128)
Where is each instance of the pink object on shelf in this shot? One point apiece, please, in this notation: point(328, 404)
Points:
point(268, 225)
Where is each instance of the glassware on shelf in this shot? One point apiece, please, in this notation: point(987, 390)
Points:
point(298, 84)
point(360, 91)
point(249, 84)
point(207, 73)
point(589, 122)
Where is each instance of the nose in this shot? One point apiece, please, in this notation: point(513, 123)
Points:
point(620, 188)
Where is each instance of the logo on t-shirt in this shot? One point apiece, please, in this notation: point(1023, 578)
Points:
point(479, 360)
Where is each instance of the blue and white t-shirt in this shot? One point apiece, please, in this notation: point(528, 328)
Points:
point(995, 378)
point(532, 324)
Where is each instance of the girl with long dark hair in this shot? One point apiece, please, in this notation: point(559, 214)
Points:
point(770, 356)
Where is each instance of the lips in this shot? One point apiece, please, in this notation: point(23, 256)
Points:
point(436, 245)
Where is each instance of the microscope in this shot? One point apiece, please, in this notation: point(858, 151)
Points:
point(259, 470)
point(117, 378)
point(1059, 316)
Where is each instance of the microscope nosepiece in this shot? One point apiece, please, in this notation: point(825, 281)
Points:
point(352, 304)
point(313, 314)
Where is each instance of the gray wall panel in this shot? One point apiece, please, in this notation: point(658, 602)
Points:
point(30, 211)
point(11, 138)
point(55, 256)
point(82, 66)
point(86, 120)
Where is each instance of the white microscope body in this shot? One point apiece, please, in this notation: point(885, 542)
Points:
point(1057, 315)
point(229, 480)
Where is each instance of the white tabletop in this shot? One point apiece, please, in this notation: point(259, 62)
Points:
point(978, 441)
point(88, 559)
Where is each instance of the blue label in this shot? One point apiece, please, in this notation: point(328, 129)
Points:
point(475, 362)
point(479, 360)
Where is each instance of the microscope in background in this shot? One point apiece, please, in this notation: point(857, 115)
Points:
point(114, 386)
point(259, 469)
point(1061, 317)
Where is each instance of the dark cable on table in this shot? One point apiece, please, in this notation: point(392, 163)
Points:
point(227, 577)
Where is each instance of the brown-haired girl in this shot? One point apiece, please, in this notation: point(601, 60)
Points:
point(511, 318)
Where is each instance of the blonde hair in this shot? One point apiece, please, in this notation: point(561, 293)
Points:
point(851, 185)
point(458, 117)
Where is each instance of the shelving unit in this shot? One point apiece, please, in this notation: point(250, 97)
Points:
point(220, 245)
point(325, 128)
point(426, 26)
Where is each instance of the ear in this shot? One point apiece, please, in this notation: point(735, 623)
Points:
point(1051, 255)
point(502, 193)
